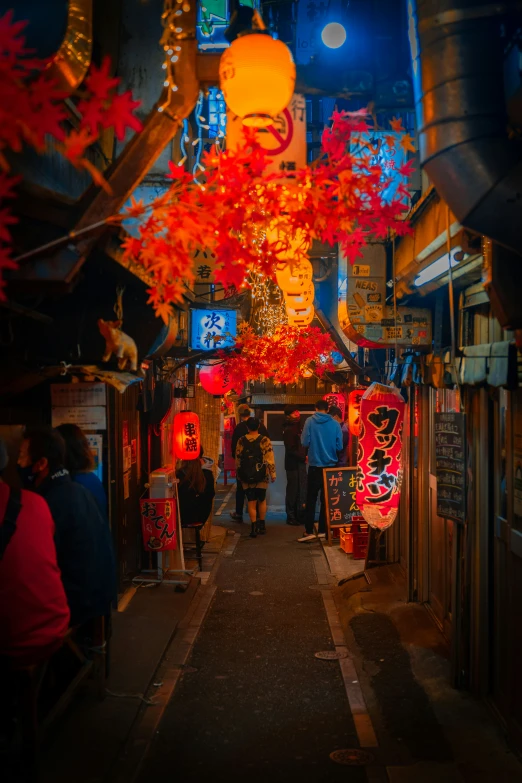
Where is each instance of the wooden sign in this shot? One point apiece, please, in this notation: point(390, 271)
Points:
point(450, 465)
point(340, 485)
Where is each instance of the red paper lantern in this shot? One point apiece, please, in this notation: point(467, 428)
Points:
point(186, 438)
point(335, 398)
point(379, 467)
point(354, 409)
point(214, 379)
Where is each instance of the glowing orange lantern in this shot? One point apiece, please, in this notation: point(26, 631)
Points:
point(354, 409)
point(214, 380)
point(288, 246)
point(300, 317)
point(335, 398)
point(186, 436)
point(304, 297)
point(379, 466)
point(257, 77)
point(292, 278)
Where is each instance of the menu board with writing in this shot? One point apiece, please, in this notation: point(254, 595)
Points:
point(339, 490)
point(450, 465)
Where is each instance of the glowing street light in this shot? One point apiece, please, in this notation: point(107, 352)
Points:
point(333, 35)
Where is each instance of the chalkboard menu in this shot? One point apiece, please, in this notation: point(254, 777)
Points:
point(450, 465)
point(339, 491)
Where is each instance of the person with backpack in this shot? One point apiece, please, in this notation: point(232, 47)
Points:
point(241, 429)
point(255, 466)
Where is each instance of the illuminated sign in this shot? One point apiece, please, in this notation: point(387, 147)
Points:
point(211, 329)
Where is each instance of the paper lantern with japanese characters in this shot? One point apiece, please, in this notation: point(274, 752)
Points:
point(214, 380)
point(186, 438)
point(379, 466)
point(257, 76)
point(338, 399)
point(354, 411)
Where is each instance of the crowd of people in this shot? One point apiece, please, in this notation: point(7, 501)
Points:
point(57, 565)
point(321, 442)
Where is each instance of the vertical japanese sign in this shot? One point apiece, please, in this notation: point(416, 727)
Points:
point(158, 522)
point(284, 140)
point(450, 465)
point(340, 486)
point(211, 329)
point(379, 467)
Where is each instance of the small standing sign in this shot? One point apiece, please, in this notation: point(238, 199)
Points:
point(340, 485)
point(158, 518)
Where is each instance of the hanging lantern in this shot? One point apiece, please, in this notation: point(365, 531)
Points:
point(288, 246)
point(293, 277)
point(306, 372)
point(257, 77)
point(338, 399)
point(214, 380)
point(300, 317)
point(354, 410)
point(379, 466)
point(186, 437)
point(304, 297)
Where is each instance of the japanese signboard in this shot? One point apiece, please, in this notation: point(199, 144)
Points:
point(365, 317)
point(204, 265)
point(338, 400)
point(450, 465)
point(88, 418)
point(158, 521)
point(379, 467)
point(211, 329)
point(96, 445)
point(284, 140)
point(340, 485)
point(78, 394)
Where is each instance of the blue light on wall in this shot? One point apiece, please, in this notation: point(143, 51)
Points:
point(333, 35)
point(211, 329)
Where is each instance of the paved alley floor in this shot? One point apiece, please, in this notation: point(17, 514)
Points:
point(254, 704)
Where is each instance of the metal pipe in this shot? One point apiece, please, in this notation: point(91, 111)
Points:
point(461, 113)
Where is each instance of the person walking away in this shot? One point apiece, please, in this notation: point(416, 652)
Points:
point(336, 413)
point(323, 439)
point(196, 492)
point(295, 467)
point(34, 615)
point(255, 465)
point(79, 462)
point(241, 429)
point(82, 538)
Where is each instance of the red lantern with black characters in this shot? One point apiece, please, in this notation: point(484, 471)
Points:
point(186, 439)
point(379, 466)
point(335, 398)
point(215, 380)
point(354, 410)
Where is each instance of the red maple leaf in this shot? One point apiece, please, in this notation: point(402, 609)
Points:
point(99, 82)
point(120, 114)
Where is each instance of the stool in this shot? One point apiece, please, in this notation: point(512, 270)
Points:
point(199, 548)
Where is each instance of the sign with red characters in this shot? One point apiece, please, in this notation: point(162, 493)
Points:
point(158, 522)
point(379, 465)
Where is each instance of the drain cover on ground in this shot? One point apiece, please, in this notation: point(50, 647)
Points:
point(352, 757)
point(330, 655)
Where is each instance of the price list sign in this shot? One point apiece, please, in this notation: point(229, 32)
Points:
point(450, 465)
point(340, 486)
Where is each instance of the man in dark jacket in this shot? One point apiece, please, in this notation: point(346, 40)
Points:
point(295, 466)
point(337, 414)
point(240, 430)
point(83, 538)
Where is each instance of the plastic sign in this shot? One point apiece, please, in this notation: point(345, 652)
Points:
point(214, 380)
point(211, 329)
point(186, 437)
point(379, 466)
point(158, 524)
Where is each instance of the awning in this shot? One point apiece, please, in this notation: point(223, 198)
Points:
point(284, 399)
point(494, 364)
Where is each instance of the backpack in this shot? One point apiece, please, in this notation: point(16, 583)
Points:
point(252, 468)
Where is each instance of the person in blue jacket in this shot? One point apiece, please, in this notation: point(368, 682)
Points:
point(79, 462)
point(322, 437)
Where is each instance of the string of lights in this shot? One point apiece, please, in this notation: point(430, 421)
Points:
point(268, 306)
point(173, 32)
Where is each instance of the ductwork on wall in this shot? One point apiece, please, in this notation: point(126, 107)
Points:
point(465, 148)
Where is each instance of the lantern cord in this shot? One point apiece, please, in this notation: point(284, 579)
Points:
point(451, 297)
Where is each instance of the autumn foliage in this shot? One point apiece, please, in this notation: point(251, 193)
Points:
point(246, 217)
point(32, 111)
point(281, 356)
